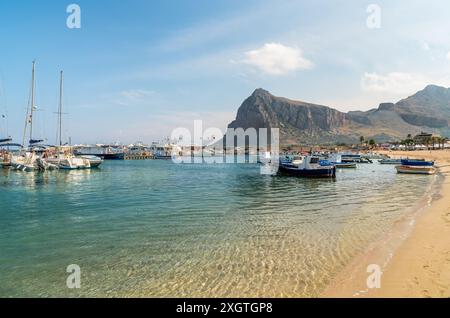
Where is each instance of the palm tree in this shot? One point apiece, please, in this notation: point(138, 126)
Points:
point(427, 142)
point(439, 142)
point(442, 142)
point(434, 140)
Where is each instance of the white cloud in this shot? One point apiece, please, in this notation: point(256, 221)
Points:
point(448, 55)
point(136, 94)
point(277, 59)
point(134, 97)
point(394, 82)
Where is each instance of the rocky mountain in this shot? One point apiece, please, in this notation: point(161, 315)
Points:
point(301, 122)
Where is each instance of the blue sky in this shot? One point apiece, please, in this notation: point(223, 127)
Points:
point(138, 69)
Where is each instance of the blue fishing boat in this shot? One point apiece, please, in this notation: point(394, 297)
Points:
point(417, 163)
point(306, 166)
point(416, 166)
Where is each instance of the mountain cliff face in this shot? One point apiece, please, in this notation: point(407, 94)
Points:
point(428, 107)
point(300, 122)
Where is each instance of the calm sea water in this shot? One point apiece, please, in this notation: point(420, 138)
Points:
point(154, 228)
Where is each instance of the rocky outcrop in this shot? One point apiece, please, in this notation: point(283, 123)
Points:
point(301, 122)
point(429, 107)
point(262, 109)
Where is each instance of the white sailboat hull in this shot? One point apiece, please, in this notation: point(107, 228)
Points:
point(26, 162)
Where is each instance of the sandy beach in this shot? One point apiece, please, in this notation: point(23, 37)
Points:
point(416, 255)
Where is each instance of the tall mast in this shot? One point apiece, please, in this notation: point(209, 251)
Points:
point(32, 100)
point(60, 107)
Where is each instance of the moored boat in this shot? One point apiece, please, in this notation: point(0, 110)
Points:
point(354, 158)
point(416, 169)
point(105, 152)
point(350, 158)
point(336, 160)
point(307, 166)
point(26, 161)
point(417, 162)
point(390, 161)
point(93, 160)
point(345, 165)
point(73, 163)
point(63, 158)
point(416, 166)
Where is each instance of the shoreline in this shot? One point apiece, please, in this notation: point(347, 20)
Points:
point(415, 255)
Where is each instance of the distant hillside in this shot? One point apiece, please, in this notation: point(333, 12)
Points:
point(301, 122)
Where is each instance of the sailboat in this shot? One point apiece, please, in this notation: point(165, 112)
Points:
point(64, 158)
point(27, 160)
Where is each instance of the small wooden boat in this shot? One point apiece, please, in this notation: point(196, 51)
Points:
point(336, 160)
point(345, 165)
point(355, 158)
point(340, 165)
point(308, 167)
point(416, 169)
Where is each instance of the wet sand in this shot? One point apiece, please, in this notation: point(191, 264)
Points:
point(415, 258)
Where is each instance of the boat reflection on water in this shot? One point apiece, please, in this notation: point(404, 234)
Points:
point(34, 180)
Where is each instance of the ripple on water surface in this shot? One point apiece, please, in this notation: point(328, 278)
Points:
point(153, 228)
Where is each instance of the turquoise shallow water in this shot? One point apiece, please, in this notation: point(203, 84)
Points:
point(154, 228)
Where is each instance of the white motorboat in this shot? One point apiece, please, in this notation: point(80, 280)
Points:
point(93, 160)
point(64, 159)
